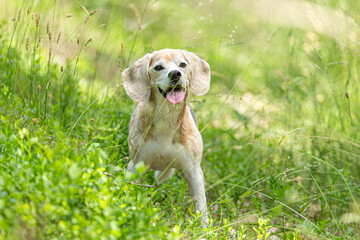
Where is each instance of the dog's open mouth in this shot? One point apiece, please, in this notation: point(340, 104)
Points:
point(174, 95)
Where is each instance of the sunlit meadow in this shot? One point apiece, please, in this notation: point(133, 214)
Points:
point(280, 124)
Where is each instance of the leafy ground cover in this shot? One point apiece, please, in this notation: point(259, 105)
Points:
point(280, 124)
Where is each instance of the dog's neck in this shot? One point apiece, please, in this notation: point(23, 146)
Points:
point(167, 112)
point(165, 117)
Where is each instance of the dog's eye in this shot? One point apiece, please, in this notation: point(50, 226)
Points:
point(182, 65)
point(158, 68)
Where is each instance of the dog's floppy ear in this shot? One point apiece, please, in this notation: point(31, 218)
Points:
point(200, 74)
point(136, 79)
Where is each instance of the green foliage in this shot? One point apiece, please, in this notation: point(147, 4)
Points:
point(263, 229)
point(52, 188)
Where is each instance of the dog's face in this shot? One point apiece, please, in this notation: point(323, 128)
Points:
point(171, 72)
point(168, 71)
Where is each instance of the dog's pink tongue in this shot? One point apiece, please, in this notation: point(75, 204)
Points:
point(175, 97)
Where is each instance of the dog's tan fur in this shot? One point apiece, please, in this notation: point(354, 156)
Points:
point(162, 135)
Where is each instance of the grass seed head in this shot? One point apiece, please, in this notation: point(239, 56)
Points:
point(28, 10)
point(37, 19)
point(48, 30)
point(137, 13)
point(86, 12)
point(347, 95)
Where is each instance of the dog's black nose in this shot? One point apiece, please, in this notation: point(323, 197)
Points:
point(175, 75)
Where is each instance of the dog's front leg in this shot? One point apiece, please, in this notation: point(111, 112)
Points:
point(131, 169)
point(195, 180)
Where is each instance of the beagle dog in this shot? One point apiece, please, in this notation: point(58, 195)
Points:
point(163, 131)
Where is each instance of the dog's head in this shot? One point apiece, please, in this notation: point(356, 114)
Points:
point(172, 72)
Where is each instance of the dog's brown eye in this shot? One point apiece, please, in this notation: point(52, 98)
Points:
point(182, 65)
point(158, 68)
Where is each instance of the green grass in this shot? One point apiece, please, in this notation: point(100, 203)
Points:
point(280, 123)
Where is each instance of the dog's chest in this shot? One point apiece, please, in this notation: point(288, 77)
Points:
point(163, 147)
point(161, 154)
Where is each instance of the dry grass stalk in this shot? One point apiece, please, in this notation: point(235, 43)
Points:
point(58, 37)
point(49, 56)
point(19, 14)
point(121, 55)
point(88, 41)
point(102, 25)
point(136, 11)
point(38, 43)
point(94, 11)
point(27, 43)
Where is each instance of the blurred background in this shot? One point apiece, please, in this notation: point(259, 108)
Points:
point(284, 57)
